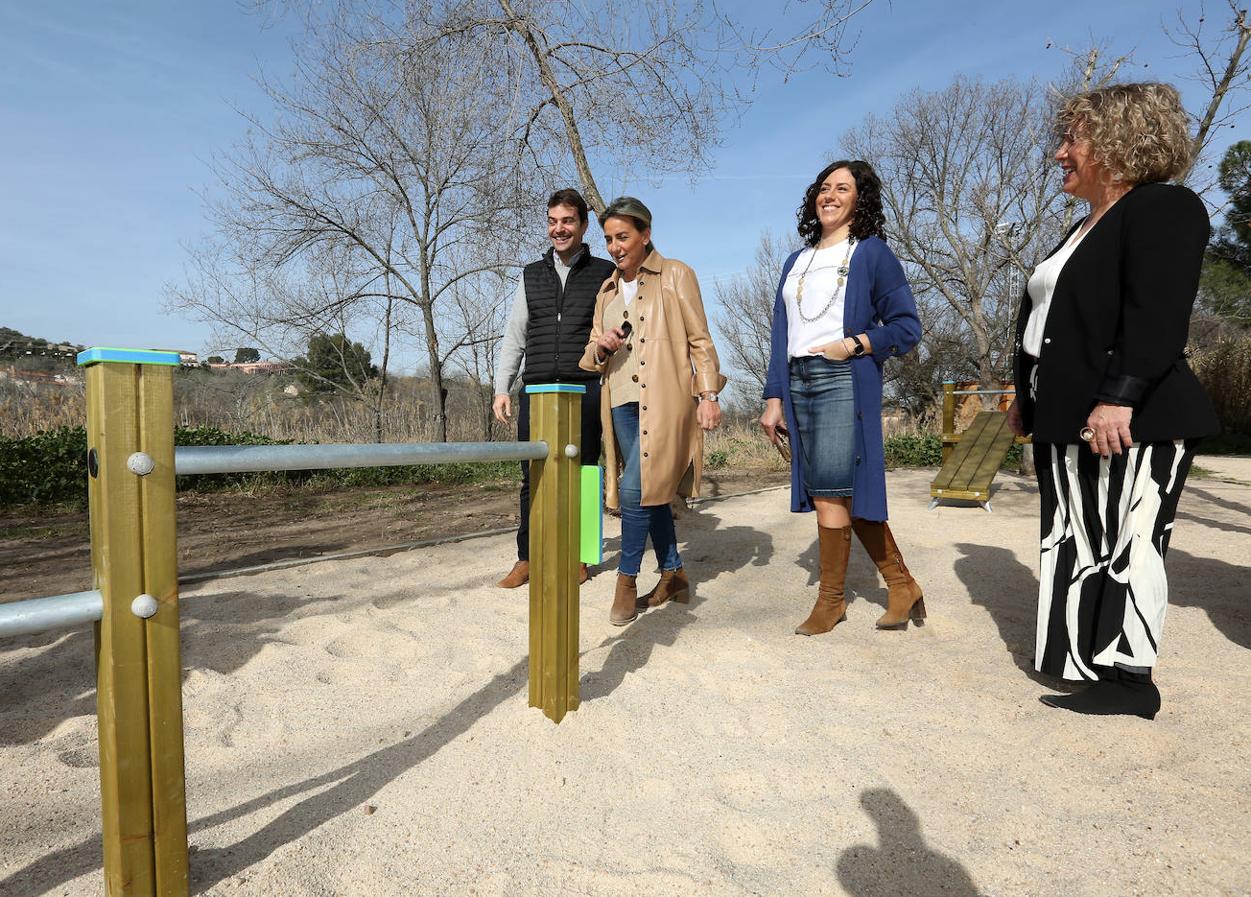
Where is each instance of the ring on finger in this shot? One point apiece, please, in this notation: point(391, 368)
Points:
point(1087, 434)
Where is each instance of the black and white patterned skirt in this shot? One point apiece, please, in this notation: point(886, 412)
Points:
point(1106, 522)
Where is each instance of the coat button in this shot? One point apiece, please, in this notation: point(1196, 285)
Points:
point(1047, 340)
point(644, 432)
point(642, 339)
point(641, 385)
point(644, 407)
point(644, 454)
point(640, 319)
point(642, 363)
point(635, 378)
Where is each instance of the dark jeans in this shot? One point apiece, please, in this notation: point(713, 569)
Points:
point(637, 521)
point(592, 442)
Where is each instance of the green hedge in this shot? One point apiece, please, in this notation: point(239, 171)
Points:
point(51, 467)
point(927, 451)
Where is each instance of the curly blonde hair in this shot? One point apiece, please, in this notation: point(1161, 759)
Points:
point(1138, 132)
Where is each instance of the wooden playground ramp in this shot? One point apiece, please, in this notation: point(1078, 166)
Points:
point(970, 468)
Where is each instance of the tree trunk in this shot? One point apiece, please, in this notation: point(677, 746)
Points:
point(382, 370)
point(522, 27)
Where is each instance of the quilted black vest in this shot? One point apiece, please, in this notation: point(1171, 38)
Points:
point(560, 318)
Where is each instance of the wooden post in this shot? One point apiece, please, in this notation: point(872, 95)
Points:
point(949, 417)
point(555, 418)
point(130, 441)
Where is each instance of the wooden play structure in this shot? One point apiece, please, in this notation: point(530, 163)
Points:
point(972, 458)
point(131, 465)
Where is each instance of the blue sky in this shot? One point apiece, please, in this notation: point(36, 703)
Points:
point(113, 111)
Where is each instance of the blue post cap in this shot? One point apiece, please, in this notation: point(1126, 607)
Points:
point(102, 355)
point(556, 387)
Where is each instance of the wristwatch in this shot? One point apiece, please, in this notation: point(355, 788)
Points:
point(709, 397)
point(859, 350)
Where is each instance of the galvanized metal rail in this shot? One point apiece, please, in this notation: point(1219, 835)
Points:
point(53, 612)
point(202, 459)
point(34, 615)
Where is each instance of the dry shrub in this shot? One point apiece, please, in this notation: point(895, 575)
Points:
point(1224, 369)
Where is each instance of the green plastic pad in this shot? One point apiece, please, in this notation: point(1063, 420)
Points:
point(591, 537)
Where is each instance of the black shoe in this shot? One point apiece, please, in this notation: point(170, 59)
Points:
point(1127, 694)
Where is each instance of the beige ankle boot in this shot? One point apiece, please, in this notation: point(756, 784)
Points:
point(673, 585)
point(831, 606)
point(623, 602)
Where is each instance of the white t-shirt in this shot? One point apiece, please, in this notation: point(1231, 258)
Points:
point(629, 289)
point(821, 291)
point(1041, 286)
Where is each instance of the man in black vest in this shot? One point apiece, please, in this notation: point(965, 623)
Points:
point(549, 325)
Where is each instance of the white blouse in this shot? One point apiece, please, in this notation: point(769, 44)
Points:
point(629, 289)
point(821, 291)
point(1041, 286)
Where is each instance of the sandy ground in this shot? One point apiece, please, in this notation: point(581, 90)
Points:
point(360, 727)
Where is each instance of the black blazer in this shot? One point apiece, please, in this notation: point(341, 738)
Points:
point(1119, 318)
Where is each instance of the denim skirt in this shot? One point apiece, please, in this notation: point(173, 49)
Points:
point(825, 411)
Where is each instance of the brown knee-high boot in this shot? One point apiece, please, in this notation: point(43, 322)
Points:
point(831, 606)
point(904, 599)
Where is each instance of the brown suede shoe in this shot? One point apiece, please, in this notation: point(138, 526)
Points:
point(831, 606)
point(673, 585)
point(904, 600)
point(518, 576)
point(623, 602)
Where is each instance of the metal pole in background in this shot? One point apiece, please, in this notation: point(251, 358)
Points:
point(130, 464)
point(555, 484)
point(949, 417)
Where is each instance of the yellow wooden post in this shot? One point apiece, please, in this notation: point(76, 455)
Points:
point(555, 418)
point(949, 417)
point(130, 441)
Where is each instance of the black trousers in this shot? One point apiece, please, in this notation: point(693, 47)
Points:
point(592, 445)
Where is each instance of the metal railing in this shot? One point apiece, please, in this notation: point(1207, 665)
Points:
point(131, 465)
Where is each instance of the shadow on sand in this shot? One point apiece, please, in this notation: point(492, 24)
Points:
point(902, 865)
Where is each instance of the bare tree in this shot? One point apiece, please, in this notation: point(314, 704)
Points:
point(390, 157)
point(971, 201)
point(745, 317)
point(634, 87)
point(1223, 68)
point(281, 311)
point(478, 311)
point(816, 33)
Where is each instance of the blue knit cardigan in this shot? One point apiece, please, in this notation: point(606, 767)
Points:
point(878, 303)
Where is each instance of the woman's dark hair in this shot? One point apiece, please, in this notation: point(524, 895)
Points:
point(866, 221)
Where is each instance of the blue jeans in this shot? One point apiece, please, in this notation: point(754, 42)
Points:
point(638, 521)
point(825, 410)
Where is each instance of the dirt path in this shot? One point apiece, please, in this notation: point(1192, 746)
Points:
point(48, 553)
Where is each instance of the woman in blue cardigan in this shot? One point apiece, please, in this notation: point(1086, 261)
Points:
point(843, 307)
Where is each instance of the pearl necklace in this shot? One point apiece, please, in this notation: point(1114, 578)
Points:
point(842, 272)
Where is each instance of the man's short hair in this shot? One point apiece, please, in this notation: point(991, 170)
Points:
point(569, 197)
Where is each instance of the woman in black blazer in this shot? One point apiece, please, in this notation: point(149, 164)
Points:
point(1104, 387)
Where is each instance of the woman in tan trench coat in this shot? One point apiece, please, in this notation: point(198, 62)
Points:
point(650, 342)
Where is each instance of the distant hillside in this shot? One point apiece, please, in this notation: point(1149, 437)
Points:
point(15, 344)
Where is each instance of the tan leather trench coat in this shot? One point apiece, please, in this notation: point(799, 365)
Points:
point(672, 341)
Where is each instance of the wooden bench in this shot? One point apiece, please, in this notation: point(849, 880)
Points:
point(974, 460)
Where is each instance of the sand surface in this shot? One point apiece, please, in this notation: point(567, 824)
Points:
point(360, 727)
